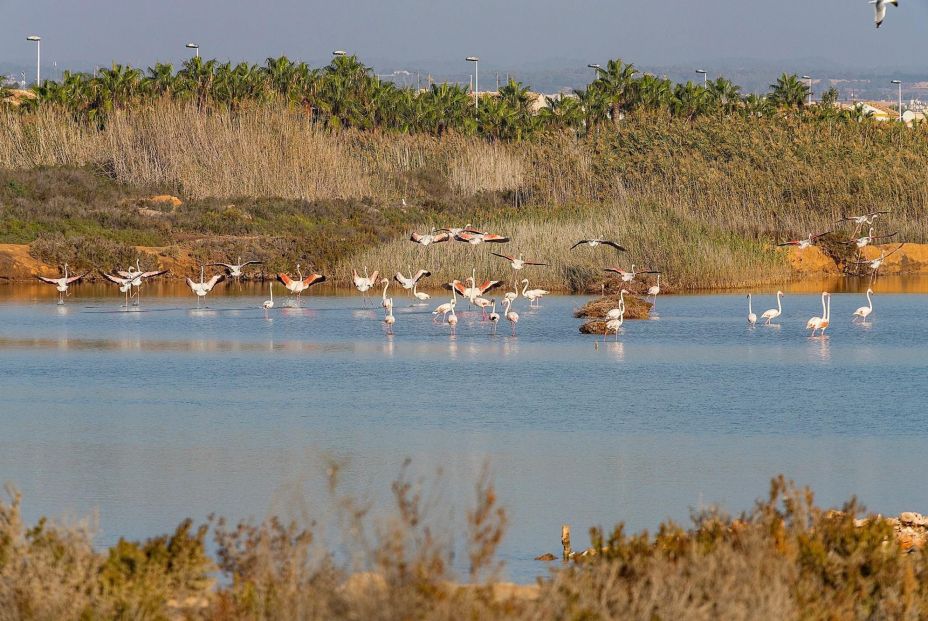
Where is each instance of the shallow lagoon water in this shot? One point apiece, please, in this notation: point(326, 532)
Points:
point(149, 416)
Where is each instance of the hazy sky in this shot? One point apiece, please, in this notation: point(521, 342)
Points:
point(505, 33)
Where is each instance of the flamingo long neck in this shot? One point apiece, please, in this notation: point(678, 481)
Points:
point(525, 286)
point(385, 285)
point(658, 280)
point(869, 300)
point(749, 305)
point(414, 285)
point(824, 311)
point(828, 310)
point(65, 271)
point(270, 286)
point(494, 308)
point(622, 297)
point(201, 275)
point(779, 305)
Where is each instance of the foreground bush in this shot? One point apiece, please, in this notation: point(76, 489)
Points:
point(785, 559)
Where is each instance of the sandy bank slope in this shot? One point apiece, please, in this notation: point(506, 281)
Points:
point(17, 264)
point(911, 258)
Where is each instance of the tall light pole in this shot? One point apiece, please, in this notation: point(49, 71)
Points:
point(705, 77)
point(809, 78)
point(476, 61)
point(899, 84)
point(595, 67)
point(195, 47)
point(38, 57)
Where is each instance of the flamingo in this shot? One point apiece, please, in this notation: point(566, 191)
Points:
point(364, 283)
point(419, 295)
point(474, 238)
point(654, 290)
point(385, 302)
point(866, 240)
point(389, 320)
point(514, 294)
point(533, 295)
point(61, 284)
point(235, 269)
point(269, 304)
point(877, 263)
point(867, 218)
point(614, 325)
point(517, 263)
point(409, 283)
point(483, 304)
point(474, 290)
point(618, 312)
point(202, 288)
point(773, 313)
point(752, 316)
point(864, 311)
point(125, 284)
point(802, 244)
point(444, 309)
point(511, 316)
point(136, 277)
point(468, 228)
point(430, 238)
point(827, 318)
point(301, 284)
point(816, 322)
point(494, 316)
point(592, 243)
point(628, 276)
point(879, 10)
point(452, 320)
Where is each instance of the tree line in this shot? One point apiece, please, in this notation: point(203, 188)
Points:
point(347, 94)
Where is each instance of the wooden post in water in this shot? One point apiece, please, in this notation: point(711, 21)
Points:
point(565, 541)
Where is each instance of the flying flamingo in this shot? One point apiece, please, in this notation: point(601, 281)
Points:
point(533, 295)
point(61, 284)
point(864, 311)
point(468, 228)
point(752, 316)
point(867, 218)
point(409, 283)
point(494, 317)
point(592, 243)
point(235, 269)
point(628, 276)
point(202, 288)
point(802, 244)
point(816, 322)
point(125, 284)
point(364, 283)
point(866, 240)
point(301, 284)
point(385, 302)
point(511, 316)
point(430, 238)
point(269, 304)
point(877, 263)
point(389, 320)
point(474, 290)
point(517, 263)
point(474, 238)
point(773, 313)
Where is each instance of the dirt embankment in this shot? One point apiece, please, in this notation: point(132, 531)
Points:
point(911, 258)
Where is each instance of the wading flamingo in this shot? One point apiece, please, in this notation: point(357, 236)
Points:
point(494, 317)
point(816, 322)
point(654, 290)
point(301, 284)
point(419, 295)
point(517, 263)
point(389, 320)
point(444, 309)
point(125, 284)
point(452, 320)
point(827, 318)
point(269, 304)
point(61, 284)
point(511, 316)
point(619, 311)
point(202, 288)
point(533, 295)
point(864, 311)
point(483, 304)
point(514, 294)
point(136, 277)
point(592, 243)
point(409, 283)
point(235, 269)
point(474, 290)
point(385, 302)
point(614, 325)
point(364, 283)
point(752, 316)
point(773, 313)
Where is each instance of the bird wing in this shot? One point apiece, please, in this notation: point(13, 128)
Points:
point(471, 229)
point(898, 248)
point(373, 277)
point(51, 281)
point(246, 263)
point(487, 285)
point(533, 263)
point(822, 234)
point(398, 277)
point(212, 281)
point(75, 278)
point(190, 283)
point(615, 270)
point(283, 278)
point(505, 256)
point(124, 274)
point(613, 244)
point(313, 279)
point(441, 237)
point(580, 243)
point(152, 274)
point(496, 239)
point(225, 265)
point(879, 13)
point(358, 281)
point(114, 279)
point(885, 236)
point(457, 285)
point(421, 274)
point(415, 237)
point(465, 236)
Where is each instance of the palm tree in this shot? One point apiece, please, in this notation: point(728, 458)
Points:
point(160, 81)
point(690, 101)
point(563, 112)
point(594, 106)
point(613, 81)
point(196, 77)
point(725, 94)
point(789, 92)
point(757, 106)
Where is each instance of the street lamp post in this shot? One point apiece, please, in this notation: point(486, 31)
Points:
point(195, 47)
point(899, 84)
point(809, 78)
point(476, 61)
point(38, 57)
point(595, 67)
point(339, 53)
point(705, 77)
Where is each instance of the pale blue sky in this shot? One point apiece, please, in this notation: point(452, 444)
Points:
point(508, 33)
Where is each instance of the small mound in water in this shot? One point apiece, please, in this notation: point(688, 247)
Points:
point(595, 310)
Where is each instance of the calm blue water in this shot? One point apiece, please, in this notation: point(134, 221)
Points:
point(154, 415)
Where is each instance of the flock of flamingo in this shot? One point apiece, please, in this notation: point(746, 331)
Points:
point(130, 281)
